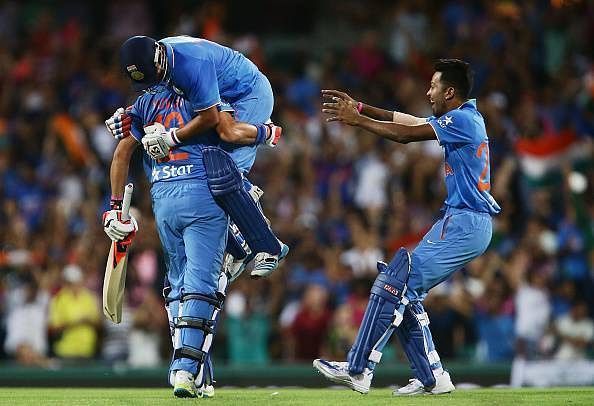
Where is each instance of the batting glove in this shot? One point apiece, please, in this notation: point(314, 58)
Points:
point(120, 123)
point(158, 141)
point(274, 133)
point(118, 230)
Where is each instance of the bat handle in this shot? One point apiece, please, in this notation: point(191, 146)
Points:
point(126, 203)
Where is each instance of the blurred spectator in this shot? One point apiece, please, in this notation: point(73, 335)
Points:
point(311, 323)
point(149, 321)
point(575, 331)
point(533, 312)
point(247, 328)
point(74, 317)
point(26, 324)
point(495, 323)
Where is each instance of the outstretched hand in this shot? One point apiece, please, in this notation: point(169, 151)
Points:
point(331, 94)
point(341, 110)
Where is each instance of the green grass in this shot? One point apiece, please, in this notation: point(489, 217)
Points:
point(284, 396)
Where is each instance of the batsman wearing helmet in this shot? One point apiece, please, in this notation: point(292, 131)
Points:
point(192, 228)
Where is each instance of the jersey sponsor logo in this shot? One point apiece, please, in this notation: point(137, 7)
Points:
point(170, 171)
point(391, 289)
point(445, 121)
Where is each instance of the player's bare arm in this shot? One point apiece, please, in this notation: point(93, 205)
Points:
point(119, 165)
point(246, 134)
point(347, 113)
point(236, 133)
point(206, 119)
point(371, 111)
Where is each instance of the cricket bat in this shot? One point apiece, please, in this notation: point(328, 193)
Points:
point(115, 270)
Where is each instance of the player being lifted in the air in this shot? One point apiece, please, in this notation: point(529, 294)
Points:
point(462, 234)
point(204, 73)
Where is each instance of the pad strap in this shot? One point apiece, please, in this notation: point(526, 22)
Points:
point(188, 322)
point(188, 352)
point(203, 298)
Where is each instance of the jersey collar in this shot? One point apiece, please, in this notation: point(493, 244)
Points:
point(470, 103)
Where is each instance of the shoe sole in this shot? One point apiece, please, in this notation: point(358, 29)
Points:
point(184, 393)
point(284, 252)
point(324, 369)
point(420, 392)
point(423, 393)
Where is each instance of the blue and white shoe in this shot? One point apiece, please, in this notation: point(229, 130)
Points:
point(443, 384)
point(338, 372)
point(265, 263)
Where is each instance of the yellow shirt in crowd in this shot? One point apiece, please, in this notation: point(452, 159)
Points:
point(68, 309)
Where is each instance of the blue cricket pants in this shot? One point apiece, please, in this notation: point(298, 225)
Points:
point(254, 108)
point(193, 232)
point(453, 241)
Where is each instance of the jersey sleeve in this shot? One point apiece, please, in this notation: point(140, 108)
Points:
point(226, 107)
point(198, 81)
point(136, 113)
point(453, 127)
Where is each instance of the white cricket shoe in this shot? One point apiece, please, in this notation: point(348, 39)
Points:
point(265, 263)
point(443, 384)
point(233, 267)
point(183, 385)
point(339, 372)
point(414, 387)
point(207, 391)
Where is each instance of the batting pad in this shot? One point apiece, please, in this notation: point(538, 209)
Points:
point(194, 331)
point(416, 340)
point(227, 187)
point(383, 313)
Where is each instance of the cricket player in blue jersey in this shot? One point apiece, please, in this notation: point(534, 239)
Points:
point(462, 234)
point(192, 228)
point(204, 73)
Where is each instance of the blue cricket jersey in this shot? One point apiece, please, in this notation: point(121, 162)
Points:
point(461, 133)
point(171, 110)
point(204, 72)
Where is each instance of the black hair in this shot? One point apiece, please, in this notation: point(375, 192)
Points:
point(457, 74)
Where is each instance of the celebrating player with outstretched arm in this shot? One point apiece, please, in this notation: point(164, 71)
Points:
point(204, 73)
point(462, 234)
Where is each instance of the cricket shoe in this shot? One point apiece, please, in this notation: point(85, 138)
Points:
point(184, 386)
point(207, 391)
point(443, 384)
point(233, 267)
point(265, 263)
point(339, 372)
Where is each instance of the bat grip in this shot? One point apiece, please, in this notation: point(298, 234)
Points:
point(126, 201)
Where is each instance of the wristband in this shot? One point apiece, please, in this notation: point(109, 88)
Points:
point(115, 203)
point(262, 134)
point(359, 107)
point(174, 138)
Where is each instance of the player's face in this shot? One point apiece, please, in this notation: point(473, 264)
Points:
point(436, 94)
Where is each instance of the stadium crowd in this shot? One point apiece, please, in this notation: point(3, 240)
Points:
point(341, 198)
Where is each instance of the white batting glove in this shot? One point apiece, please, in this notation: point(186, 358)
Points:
point(120, 123)
point(274, 134)
point(157, 141)
point(118, 230)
